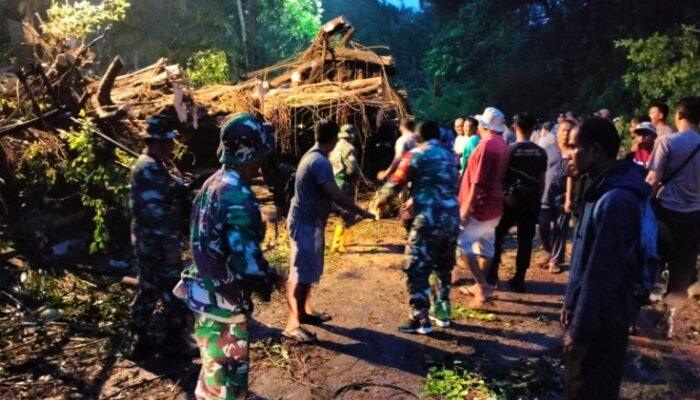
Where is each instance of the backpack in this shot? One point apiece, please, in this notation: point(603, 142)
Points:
point(650, 268)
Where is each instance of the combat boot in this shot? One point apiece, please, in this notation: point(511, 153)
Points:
point(338, 246)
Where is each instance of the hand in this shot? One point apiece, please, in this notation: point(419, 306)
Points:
point(464, 219)
point(565, 317)
point(381, 175)
point(567, 207)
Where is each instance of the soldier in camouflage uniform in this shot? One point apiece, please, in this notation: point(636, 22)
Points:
point(432, 172)
point(227, 229)
point(156, 198)
point(346, 169)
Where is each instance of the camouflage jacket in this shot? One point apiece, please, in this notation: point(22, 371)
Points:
point(346, 168)
point(226, 232)
point(156, 208)
point(432, 172)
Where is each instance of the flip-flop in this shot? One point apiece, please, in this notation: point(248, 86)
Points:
point(315, 318)
point(300, 335)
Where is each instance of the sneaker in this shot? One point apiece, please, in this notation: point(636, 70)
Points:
point(442, 311)
point(414, 325)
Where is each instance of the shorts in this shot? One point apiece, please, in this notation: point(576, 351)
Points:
point(306, 253)
point(478, 238)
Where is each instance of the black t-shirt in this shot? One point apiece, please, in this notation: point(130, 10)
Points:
point(527, 163)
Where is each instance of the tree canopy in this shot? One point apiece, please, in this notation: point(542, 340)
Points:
point(454, 57)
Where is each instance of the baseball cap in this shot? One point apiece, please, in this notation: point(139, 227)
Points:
point(645, 128)
point(246, 139)
point(492, 119)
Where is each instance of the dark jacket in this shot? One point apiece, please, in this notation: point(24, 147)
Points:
point(605, 257)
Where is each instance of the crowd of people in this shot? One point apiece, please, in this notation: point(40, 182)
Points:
point(461, 194)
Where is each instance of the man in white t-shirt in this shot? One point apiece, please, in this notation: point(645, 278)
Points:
point(405, 142)
point(461, 139)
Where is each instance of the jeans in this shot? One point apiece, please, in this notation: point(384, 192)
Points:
point(554, 232)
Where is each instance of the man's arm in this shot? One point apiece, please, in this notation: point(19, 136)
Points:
point(344, 202)
point(466, 206)
point(657, 164)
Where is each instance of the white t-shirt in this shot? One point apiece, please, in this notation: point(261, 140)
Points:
point(460, 142)
point(403, 144)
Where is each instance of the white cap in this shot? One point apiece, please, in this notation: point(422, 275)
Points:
point(645, 126)
point(492, 119)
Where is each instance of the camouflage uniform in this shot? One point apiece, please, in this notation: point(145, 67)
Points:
point(228, 265)
point(432, 172)
point(156, 228)
point(346, 168)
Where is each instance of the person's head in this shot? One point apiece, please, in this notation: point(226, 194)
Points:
point(644, 135)
point(563, 135)
point(326, 134)
point(595, 147)
point(658, 113)
point(459, 126)
point(470, 126)
point(491, 121)
point(245, 143)
point(407, 126)
point(347, 132)
point(159, 136)
point(428, 130)
point(560, 118)
point(547, 126)
point(604, 113)
point(688, 114)
point(523, 124)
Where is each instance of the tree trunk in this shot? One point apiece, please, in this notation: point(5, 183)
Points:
point(244, 35)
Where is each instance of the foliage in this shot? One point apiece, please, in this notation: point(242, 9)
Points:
point(285, 28)
point(80, 18)
point(103, 185)
point(208, 67)
point(75, 298)
point(457, 384)
point(664, 67)
point(459, 312)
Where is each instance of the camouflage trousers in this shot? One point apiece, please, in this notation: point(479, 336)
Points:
point(223, 349)
point(430, 249)
point(156, 282)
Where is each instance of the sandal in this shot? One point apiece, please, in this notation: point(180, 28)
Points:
point(300, 335)
point(315, 318)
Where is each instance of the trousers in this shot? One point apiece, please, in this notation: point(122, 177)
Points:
point(679, 236)
point(224, 350)
point(554, 231)
point(594, 366)
point(524, 217)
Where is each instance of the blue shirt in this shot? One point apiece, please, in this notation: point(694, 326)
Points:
point(310, 204)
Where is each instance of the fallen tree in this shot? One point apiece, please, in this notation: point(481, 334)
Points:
point(60, 122)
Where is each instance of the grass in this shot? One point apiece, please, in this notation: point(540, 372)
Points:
point(460, 312)
point(457, 383)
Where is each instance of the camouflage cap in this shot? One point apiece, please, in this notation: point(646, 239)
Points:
point(347, 131)
point(246, 139)
point(158, 127)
